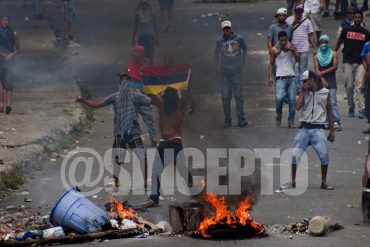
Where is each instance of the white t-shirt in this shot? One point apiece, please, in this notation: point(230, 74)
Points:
point(312, 6)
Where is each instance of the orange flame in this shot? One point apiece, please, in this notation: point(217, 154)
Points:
point(222, 214)
point(118, 209)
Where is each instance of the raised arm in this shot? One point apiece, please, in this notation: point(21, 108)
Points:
point(90, 103)
point(156, 100)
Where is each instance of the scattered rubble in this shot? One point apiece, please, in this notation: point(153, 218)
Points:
point(297, 228)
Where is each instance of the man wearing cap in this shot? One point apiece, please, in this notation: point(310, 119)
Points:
point(348, 21)
point(301, 39)
point(283, 57)
point(9, 47)
point(314, 103)
point(274, 29)
point(230, 53)
point(354, 38)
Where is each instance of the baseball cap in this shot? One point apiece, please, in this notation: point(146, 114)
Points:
point(225, 24)
point(308, 74)
point(299, 8)
point(281, 11)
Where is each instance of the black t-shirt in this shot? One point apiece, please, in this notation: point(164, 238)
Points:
point(354, 39)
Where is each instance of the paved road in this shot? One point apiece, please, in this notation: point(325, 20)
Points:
point(105, 40)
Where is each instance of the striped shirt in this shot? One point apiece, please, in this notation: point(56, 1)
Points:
point(300, 35)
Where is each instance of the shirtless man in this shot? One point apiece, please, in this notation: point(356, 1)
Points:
point(171, 115)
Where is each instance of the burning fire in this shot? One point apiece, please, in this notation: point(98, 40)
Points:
point(222, 216)
point(117, 208)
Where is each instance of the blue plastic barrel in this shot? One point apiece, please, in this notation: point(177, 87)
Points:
point(74, 211)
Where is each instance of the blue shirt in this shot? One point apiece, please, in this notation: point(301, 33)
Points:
point(365, 50)
point(231, 52)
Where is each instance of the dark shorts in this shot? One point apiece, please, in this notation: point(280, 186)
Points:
point(6, 72)
point(128, 141)
point(166, 4)
point(133, 142)
point(69, 10)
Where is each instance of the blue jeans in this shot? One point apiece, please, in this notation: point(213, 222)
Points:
point(302, 67)
point(38, 7)
point(285, 88)
point(314, 137)
point(334, 106)
point(232, 83)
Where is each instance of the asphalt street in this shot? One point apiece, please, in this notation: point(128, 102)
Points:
point(104, 32)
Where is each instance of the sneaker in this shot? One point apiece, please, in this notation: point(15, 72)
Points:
point(226, 125)
point(242, 124)
point(8, 109)
point(326, 13)
point(291, 126)
point(326, 187)
point(366, 132)
point(337, 126)
point(290, 185)
point(278, 121)
point(361, 114)
point(351, 113)
point(149, 203)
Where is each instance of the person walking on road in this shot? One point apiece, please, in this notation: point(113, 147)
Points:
point(312, 10)
point(230, 54)
point(326, 65)
point(314, 103)
point(274, 29)
point(167, 13)
point(69, 17)
point(145, 32)
point(354, 38)
point(303, 36)
point(9, 48)
point(283, 56)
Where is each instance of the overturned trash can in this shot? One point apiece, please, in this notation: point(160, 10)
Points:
point(74, 211)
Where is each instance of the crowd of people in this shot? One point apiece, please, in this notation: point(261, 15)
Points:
point(296, 39)
point(292, 40)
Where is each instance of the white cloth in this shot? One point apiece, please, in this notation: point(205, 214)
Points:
point(312, 6)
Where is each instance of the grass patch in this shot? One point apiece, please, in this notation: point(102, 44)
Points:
point(13, 179)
